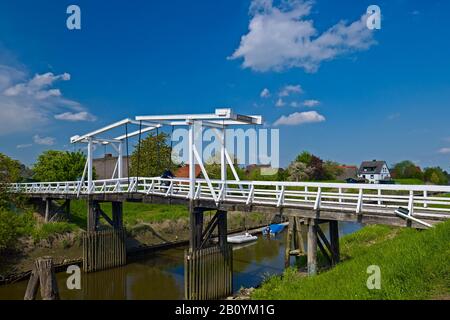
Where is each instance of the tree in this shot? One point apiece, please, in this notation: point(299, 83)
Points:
point(154, 157)
point(9, 169)
point(9, 173)
point(332, 170)
point(407, 170)
point(307, 166)
point(8, 229)
point(436, 175)
point(55, 165)
point(298, 171)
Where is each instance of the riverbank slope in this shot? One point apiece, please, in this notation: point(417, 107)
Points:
point(413, 265)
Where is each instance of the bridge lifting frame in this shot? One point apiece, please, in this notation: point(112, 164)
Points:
point(201, 256)
point(200, 237)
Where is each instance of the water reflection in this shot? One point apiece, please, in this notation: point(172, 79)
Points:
point(161, 275)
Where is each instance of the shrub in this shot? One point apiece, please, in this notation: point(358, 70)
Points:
point(53, 228)
point(9, 229)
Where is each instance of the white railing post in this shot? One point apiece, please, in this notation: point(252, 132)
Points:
point(425, 197)
point(411, 203)
point(250, 195)
point(150, 189)
point(318, 199)
point(359, 205)
point(280, 197)
point(198, 191)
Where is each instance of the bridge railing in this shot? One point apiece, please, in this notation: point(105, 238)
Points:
point(423, 200)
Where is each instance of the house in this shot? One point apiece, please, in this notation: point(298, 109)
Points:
point(347, 172)
point(183, 172)
point(104, 167)
point(374, 171)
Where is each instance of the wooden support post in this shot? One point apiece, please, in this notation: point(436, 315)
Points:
point(298, 240)
point(287, 253)
point(43, 275)
point(67, 209)
point(117, 215)
point(222, 228)
point(312, 247)
point(334, 239)
point(104, 249)
point(91, 215)
point(48, 205)
point(196, 222)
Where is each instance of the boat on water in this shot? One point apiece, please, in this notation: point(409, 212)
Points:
point(242, 238)
point(275, 228)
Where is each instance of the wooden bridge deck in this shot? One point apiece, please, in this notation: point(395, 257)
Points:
point(326, 201)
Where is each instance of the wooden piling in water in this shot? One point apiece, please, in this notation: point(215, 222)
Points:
point(208, 273)
point(103, 250)
point(43, 275)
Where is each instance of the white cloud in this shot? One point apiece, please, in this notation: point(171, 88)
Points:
point(45, 141)
point(444, 151)
point(290, 89)
point(294, 104)
point(265, 93)
point(79, 116)
point(27, 103)
point(280, 103)
point(23, 146)
point(311, 103)
point(36, 87)
point(298, 118)
point(393, 116)
point(282, 37)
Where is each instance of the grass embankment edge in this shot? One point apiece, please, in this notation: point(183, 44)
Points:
point(413, 264)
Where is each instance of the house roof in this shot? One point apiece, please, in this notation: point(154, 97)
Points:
point(183, 172)
point(371, 167)
point(347, 172)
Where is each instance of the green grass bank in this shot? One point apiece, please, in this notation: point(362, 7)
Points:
point(414, 265)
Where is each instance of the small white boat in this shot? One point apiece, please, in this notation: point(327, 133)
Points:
point(242, 238)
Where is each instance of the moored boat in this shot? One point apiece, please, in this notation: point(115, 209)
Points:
point(242, 238)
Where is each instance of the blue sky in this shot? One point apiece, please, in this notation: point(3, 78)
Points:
point(353, 94)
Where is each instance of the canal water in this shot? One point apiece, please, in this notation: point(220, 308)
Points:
point(160, 275)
